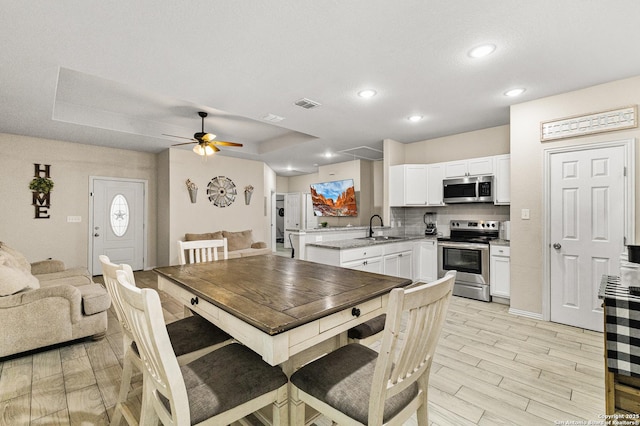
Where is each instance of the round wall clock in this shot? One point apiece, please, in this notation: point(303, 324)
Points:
point(221, 191)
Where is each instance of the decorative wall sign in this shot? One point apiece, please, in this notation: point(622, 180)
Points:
point(580, 125)
point(221, 191)
point(41, 186)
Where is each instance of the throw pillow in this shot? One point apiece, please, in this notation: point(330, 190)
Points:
point(15, 258)
point(14, 280)
point(238, 240)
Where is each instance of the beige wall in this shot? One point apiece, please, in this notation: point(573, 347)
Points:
point(479, 143)
point(71, 166)
point(203, 216)
point(362, 172)
point(527, 175)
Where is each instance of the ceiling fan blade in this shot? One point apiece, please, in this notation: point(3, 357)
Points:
point(180, 137)
point(215, 148)
point(186, 143)
point(223, 143)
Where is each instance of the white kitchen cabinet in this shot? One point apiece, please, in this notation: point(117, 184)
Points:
point(426, 260)
point(471, 167)
point(370, 264)
point(500, 271)
point(399, 264)
point(408, 185)
point(502, 180)
point(435, 174)
point(416, 185)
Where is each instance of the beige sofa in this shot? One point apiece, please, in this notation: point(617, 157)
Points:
point(240, 244)
point(44, 303)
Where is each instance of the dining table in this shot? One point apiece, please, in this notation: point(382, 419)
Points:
point(287, 310)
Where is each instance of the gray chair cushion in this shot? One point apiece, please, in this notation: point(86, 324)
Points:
point(226, 378)
point(193, 333)
point(368, 329)
point(343, 380)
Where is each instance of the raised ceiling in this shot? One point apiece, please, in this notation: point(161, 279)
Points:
point(123, 73)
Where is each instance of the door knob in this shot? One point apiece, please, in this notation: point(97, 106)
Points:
point(96, 235)
point(557, 246)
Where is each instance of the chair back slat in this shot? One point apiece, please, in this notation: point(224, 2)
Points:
point(162, 375)
point(202, 250)
point(407, 352)
point(109, 275)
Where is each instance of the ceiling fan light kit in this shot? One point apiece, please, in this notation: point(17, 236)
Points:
point(206, 144)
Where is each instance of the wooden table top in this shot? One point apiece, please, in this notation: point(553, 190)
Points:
point(276, 293)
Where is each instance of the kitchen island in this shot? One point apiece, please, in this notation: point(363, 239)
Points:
point(301, 237)
point(413, 257)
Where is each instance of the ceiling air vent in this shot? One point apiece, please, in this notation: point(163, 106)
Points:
point(273, 118)
point(307, 103)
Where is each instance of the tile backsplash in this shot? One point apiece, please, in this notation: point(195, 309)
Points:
point(410, 220)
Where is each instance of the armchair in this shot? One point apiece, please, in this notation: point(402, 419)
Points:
point(44, 303)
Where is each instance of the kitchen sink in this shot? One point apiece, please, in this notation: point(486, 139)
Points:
point(379, 238)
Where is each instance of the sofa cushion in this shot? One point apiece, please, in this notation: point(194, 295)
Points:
point(47, 266)
point(238, 240)
point(74, 276)
point(13, 279)
point(253, 252)
point(206, 236)
point(95, 299)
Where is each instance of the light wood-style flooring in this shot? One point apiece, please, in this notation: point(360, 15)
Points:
point(491, 368)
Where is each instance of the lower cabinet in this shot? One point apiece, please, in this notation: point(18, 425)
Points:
point(399, 264)
point(370, 264)
point(426, 260)
point(394, 259)
point(500, 271)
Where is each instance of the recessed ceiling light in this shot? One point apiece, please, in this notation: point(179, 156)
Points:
point(482, 50)
point(415, 118)
point(515, 92)
point(328, 155)
point(367, 93)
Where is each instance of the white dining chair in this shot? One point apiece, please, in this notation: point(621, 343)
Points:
point(219, 388)
point(191, 337)
point(357, 386)
point(201, 250)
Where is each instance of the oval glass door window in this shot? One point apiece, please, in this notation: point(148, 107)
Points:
point(119, 215)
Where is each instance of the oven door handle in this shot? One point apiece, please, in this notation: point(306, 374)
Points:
point(470, 246)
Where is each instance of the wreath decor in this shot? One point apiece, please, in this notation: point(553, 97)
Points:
point(41, 184)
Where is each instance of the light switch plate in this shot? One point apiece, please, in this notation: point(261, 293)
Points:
point(525, 214)
point(74, 219)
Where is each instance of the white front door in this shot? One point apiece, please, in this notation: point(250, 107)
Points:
point(118, 222)
point(587, 220)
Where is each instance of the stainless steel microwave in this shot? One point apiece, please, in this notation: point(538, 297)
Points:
point(470, 189)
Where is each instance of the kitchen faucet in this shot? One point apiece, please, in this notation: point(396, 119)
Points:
point(370, 227)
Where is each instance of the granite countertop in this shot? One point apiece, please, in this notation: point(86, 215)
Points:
point(498, 242)
point(365, 242)
point(338, 229)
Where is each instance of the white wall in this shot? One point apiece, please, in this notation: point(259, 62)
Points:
point(71, 166)
point(203, 216)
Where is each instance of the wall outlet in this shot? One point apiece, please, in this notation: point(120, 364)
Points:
point(74, 219)
point(525, 215)
point(318, 238)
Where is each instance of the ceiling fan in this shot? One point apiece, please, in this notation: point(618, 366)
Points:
point(206, 143)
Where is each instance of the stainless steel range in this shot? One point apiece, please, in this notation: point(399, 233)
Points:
point(467, 251)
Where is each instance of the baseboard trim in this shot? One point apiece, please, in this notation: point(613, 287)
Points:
point(527, 314)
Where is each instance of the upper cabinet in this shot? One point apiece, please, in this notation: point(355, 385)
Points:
point(502, 180)
point(416, 185)
point(435, 174)
point(471, 167)
point(421, 184)
point(408, 185)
